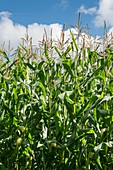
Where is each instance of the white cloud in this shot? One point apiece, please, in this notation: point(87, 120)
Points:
point(9, 31)
point(105, 12)
point(87, 10)
point(14, 32)
point(4, 14)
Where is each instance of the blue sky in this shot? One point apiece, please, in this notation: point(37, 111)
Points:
point(15, 15)
point(48, 11)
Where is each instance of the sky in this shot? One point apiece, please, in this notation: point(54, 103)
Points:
point(51, 14)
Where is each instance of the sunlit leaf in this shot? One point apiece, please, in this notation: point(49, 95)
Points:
point(98, 148)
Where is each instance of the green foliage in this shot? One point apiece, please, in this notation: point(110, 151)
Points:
point(57, 114)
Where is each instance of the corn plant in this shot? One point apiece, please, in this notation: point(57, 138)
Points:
point(57, 113)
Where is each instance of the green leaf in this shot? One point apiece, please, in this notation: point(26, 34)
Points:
point(24, 48)
point(41, 64)
point(98, 148)
point(2, 167)
point(98, 161)
point(91, 131)
point(42, 76)
point(103, 112)
point(88, 105)
point(107, 98)
point(5, 55)
point(43, 89)
point(56, 49)
point(74, 40)
point(39, 145)
point(70, 101)
point(62, 95)
point(58, 81)
point(30, 66)
point(68, 69)
point(67, 50)
point(95, 73)
point(109, 144)
point(30, 139)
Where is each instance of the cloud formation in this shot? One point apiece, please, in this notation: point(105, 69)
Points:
point(85, 10)
point(14, 32)
point(104, 12)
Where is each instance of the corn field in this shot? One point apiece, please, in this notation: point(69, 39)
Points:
point(56, 113)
